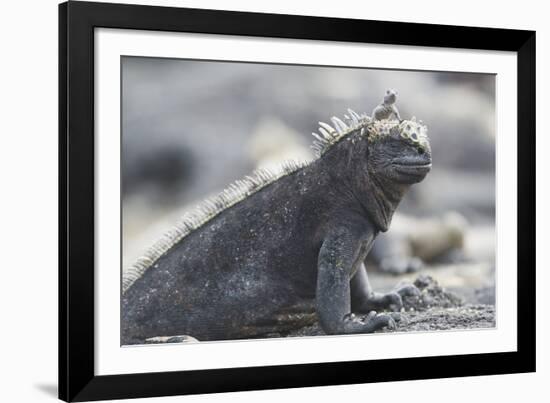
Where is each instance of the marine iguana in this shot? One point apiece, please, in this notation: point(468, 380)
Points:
point(274, 251)
point(387, 109)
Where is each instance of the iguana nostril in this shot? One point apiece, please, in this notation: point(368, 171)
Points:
point(414, 136)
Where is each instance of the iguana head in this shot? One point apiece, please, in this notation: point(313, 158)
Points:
point(376, 160)
point(398, 152)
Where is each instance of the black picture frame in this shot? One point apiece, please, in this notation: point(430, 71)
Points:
point(77, 21)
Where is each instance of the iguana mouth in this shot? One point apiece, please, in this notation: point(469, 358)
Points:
point(407, 166)
point(418, 162)
point(413, 173)
point(414, 169)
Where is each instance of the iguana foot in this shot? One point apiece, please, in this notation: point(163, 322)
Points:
point(392, 301)
point(379, 301)
point(410, 295)
point(371, 322)
point(408, 290)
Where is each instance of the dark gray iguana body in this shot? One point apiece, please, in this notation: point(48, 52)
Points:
point(291, 250)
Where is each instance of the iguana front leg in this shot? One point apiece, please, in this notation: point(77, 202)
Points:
point(339, 255)
point(364, 299)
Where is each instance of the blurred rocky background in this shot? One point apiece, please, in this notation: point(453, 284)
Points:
point(189, 128)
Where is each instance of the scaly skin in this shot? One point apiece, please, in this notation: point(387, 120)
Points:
point(298, 242)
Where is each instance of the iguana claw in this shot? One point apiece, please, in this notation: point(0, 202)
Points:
point(408, 290)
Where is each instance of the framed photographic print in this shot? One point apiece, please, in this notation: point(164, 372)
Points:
point(254, 201)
